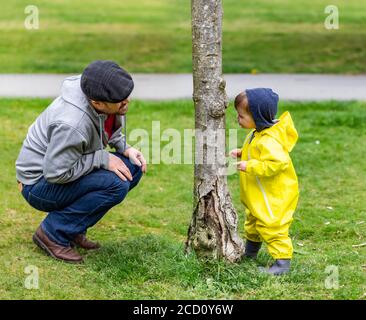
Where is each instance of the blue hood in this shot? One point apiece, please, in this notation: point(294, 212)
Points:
point(263, 104)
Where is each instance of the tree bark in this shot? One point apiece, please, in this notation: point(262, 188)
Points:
point(213, 229)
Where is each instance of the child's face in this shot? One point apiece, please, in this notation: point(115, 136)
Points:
point(245, 118)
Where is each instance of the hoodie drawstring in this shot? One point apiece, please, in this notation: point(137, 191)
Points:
point(124, 124)
point(100, 133)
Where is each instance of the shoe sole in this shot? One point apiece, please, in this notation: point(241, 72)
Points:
point(44, 248)
point(74, 245)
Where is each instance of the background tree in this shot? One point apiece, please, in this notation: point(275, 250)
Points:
point(213, 229)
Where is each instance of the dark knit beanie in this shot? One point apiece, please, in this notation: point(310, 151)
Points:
point(106, 81)
point(263, 104)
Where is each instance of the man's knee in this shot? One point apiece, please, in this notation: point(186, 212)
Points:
point(138, 173)
point(136, 177)
point(118, 188)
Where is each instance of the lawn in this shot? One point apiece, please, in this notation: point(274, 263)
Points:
point(143, 238)
point(153, 36)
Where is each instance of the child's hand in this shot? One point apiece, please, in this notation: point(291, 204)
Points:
point(242, 165)
point(235, 153)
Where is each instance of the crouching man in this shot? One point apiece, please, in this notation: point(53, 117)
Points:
point(62, 167)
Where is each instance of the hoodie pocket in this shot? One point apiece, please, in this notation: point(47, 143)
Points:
point(41, 204)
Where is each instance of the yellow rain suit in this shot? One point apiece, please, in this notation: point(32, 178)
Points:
point(269, 186)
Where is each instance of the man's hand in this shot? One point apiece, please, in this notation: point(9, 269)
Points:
point(136, 157)
point(235, 153)
point(117, 166)
point(242, 165)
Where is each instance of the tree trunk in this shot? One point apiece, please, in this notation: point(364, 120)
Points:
point(213, 229)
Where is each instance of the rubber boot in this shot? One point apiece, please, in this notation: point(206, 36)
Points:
point(251, 249)
point(281, 266)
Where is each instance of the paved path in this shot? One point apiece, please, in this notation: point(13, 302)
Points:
point(172, 86)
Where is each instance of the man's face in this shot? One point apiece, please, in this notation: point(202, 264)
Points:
point(120, 108)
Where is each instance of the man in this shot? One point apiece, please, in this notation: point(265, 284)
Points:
point(63, 168)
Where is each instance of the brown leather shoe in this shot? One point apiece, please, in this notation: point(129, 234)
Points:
point(82, 242)
point(55, 250)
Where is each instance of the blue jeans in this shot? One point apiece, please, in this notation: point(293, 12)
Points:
point(76, 206)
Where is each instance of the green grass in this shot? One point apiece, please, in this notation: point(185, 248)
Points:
point(142, 254)
point(154, 36)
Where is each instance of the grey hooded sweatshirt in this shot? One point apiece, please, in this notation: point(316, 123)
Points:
point(67, 139)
